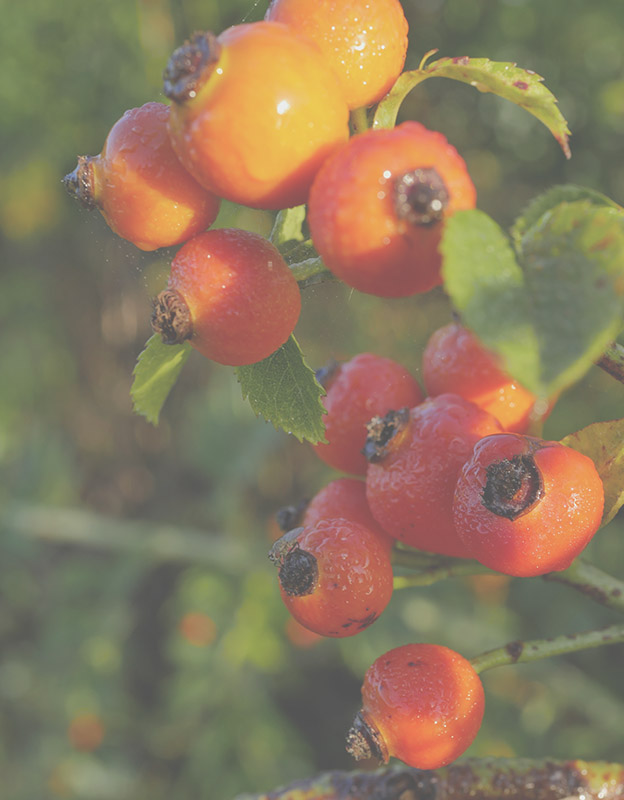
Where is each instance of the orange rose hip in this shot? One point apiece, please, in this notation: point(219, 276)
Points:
point(421, 703)
point(255, 112)
point(139, 185)
point(377, 208)
point(454, 360)
point(364, 42)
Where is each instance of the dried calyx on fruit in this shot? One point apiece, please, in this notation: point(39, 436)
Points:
point(221, 285)
point(335, 575)
point(138, 184)
point(260, 75)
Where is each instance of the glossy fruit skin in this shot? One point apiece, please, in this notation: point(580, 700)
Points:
point(354, 577)
point(553, 530)
point(364, 43)
point(139, 185)
point(425, 701)
point(357, 390)
point(354, 222)
point(344, 497)
point(410, 489)
point(232, 281)
point(454, 360)
point(268, 114)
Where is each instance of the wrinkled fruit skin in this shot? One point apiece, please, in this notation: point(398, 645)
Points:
point(553, 530)
point(353, 217)
point(454, 360)
point(426, 702)
point(353, 581)
point(364, 43)
point(268, 115)
point(141, 188)
point(232, 282)
point(344, 497)
point(410, 489)
point(357, 390)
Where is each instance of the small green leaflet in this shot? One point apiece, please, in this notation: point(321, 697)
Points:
point(603, 442)
point(155, 373)
point(284, 390)
point(566, 193)
point(287, 228)
point(551, 309)
point(523, 87)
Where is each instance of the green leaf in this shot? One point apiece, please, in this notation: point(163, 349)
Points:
point(288, 228)
point(155, 373)
point(603, 442)
point(284, 390)
point(553, 312)
point(566, 193)
point(486, 286)
point(523, 87)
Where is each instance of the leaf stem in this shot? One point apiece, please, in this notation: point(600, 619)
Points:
point(533, 650)
point(612, 361)
point(311, 271)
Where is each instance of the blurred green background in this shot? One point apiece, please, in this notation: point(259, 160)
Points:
point(144, 649)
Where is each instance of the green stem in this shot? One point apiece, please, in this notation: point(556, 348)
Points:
point(580, 575)
point(536, 649)
point(434, 574)
point(593, 582)
point(359, 120)
point(417, 559)
point(311, 271)
point(612, 361)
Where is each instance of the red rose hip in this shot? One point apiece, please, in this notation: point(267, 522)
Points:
point(525, 506)
point(357, 390)
point(421, 703)
point(377, 208)
point(335, 576)
point(231, 294)
point(415, 456)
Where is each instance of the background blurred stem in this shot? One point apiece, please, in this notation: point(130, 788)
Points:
point(151, 540)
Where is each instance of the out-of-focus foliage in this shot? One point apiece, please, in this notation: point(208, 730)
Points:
point(127, 678)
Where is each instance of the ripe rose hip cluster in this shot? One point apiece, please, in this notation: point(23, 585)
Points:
point(454, 474)
point(259, 115)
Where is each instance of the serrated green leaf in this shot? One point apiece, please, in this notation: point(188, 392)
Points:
point(523, 87)
point(553, 312)
point(284, 390)
point(155, 373)
point(603, 442)
point(566, 193)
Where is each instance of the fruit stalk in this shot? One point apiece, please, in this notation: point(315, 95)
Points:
point(519, 652)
